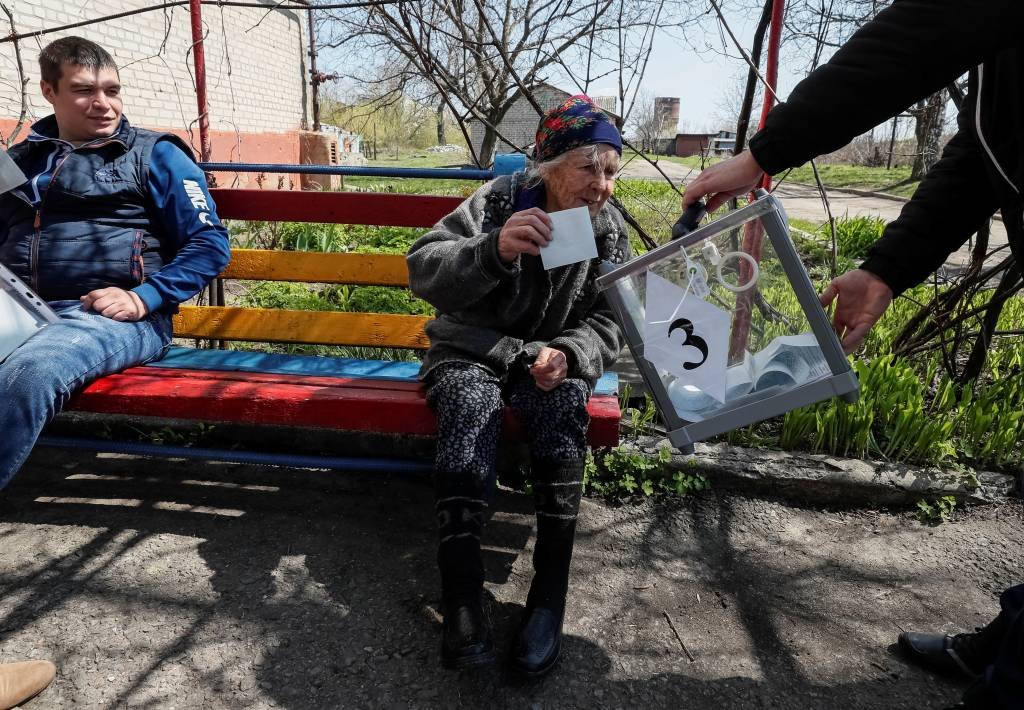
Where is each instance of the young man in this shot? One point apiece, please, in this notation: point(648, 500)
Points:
point(909, 51)
point(114, 228)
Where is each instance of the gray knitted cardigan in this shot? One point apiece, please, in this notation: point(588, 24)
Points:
point(498, 315)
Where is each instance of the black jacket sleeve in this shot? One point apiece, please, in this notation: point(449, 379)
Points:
point(950, 204)
point(910, 50)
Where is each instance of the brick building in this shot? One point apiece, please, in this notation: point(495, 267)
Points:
point(720, 143)
point(520, 123)
point(256, 69)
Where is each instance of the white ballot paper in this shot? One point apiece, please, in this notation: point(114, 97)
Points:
point(687, 337)
point(572, 238)
point(788, 361)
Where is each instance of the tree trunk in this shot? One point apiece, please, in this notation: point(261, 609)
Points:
point(929, 116)
point(440, 125)
point(743, 120)
point(485, 156)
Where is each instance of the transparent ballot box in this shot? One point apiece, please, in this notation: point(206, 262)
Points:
point(22, 313)
point(725, 326)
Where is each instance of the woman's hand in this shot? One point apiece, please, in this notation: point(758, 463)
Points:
point(525, 232)
point(550, 368)
point(863, 298)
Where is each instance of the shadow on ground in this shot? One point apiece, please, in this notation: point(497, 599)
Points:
point(155, 584)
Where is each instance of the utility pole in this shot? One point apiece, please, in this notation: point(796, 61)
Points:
point(314, 76)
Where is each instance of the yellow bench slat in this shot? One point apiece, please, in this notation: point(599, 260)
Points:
point(310, 327)
point(318, 267)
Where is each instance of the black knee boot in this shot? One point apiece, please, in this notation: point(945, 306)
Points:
point(557, 489)
point(466, 634)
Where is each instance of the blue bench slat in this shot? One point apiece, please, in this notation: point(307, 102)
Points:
point(311, 365)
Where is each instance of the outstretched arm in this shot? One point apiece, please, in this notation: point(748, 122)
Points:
point(909, 51)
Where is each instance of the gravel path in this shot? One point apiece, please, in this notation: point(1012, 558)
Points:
point(160, 584)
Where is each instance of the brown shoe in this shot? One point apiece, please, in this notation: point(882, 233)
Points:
point(21, 681)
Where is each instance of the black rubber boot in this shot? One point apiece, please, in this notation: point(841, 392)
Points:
point(557, 488)
point(466, 640)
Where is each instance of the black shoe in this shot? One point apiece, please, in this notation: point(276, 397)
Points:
point(539, 643)
point(949, 655)
point(466, 640)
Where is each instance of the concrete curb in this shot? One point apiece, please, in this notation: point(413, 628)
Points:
point(851, 191)
point(830, 480)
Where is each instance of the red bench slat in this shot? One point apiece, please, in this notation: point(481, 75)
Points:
point(383, 209)
point(348, 404)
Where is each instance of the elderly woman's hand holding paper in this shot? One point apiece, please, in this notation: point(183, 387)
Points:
point(525, 232)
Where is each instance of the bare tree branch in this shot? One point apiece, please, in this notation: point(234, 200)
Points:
point(21, 76)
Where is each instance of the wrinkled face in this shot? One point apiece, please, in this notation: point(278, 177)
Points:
point(582, 181)
point(86, 101)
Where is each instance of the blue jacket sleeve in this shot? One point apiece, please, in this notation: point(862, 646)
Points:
point(175, 185)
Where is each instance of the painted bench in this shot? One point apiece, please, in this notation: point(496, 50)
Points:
point(254, 388)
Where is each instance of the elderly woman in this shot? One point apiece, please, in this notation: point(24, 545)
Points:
point(509, 330)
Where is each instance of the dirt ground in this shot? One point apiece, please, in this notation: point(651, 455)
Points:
point(163, 584)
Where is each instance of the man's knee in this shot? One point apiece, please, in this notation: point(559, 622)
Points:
point(26, 376)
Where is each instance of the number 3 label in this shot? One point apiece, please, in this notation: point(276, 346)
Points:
point(692, 340)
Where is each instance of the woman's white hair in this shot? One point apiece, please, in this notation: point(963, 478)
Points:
point(537, 172)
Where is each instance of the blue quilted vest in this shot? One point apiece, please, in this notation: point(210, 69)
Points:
point(94, 226)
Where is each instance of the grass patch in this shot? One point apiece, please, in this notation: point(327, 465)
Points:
point(893, 181)
point(421, 159)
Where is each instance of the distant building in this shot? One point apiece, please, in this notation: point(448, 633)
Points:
point(349, 146)
point(693, 144)
point(720, 143)
point(723, 143)
point(666, 109)
point(608, 103)
point(520, 122)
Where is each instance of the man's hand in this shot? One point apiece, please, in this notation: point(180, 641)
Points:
point(525, 232)
point(115, 303)
point(731, 178)
point(550, 368)
point(863, 298)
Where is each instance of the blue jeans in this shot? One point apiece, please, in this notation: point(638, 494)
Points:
point(38, 378)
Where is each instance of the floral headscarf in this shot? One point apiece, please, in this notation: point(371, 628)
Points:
point(577, 122)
